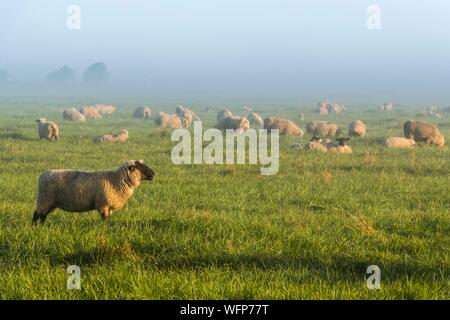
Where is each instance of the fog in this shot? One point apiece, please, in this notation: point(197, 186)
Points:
point(259, 50)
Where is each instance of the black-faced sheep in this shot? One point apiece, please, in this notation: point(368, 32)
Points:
point(80, 191)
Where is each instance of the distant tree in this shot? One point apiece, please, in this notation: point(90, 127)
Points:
point(96, 73)
point(4, 76)
point(63, 75)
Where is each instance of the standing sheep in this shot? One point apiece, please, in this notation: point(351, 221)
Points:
point(322, 129)
point(357, 129)
point(285, 126)
point(80, 191)
point(255, 118)
point(47, 130)
point(399, 142)
point(73, 114)
point(165, 120)
point(122, 136)
point(142, 113)
point(233, 122)
point(423, 131)
point(90, 112)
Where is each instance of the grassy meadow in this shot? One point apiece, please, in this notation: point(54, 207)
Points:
point(225, 231)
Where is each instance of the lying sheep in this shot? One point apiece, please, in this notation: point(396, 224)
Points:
point(423, 131)
point(340, 147)
point(104, 109)
point(248, 109)
point(223, 114)
point(357, 129)
point(122, 136)
point(316, 144)
point(399, 142)
point(322, 129)
point(233, 122)
point(285, 126)
point(172, 121)
point(73, 114)
point(90, 112)
point(142, 113)
point(80, 191)
point(255, 118)
point(47, 130)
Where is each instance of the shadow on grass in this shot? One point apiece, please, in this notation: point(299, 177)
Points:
point(15, 136)
point(337, 267)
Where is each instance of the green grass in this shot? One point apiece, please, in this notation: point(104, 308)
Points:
point(226, 232)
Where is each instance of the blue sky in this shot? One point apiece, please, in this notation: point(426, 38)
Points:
point(251, 44)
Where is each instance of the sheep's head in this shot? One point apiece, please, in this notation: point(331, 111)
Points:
point(439, 141)
point(138, 171)
point(244, 124)
point(342, 141)
point(41, 120)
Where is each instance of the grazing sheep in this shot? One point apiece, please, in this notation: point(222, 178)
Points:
point(80, 191)
point(340, 147)
point(186, 116)
point(223, 114)
point(335, 107)
point(184, 112)
point(104, 109)
point(48, 130)
point(142, 113)
point(325, 107)
point(90, 112)
point(255, 118)
point(73, 114)
point(285, 126)
point(172, 121)
point(387, 106)
point(357, 129)
point(322, 129)
point(399, 142)
point(122, 136)
point(233, 122)
point(423, 131)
